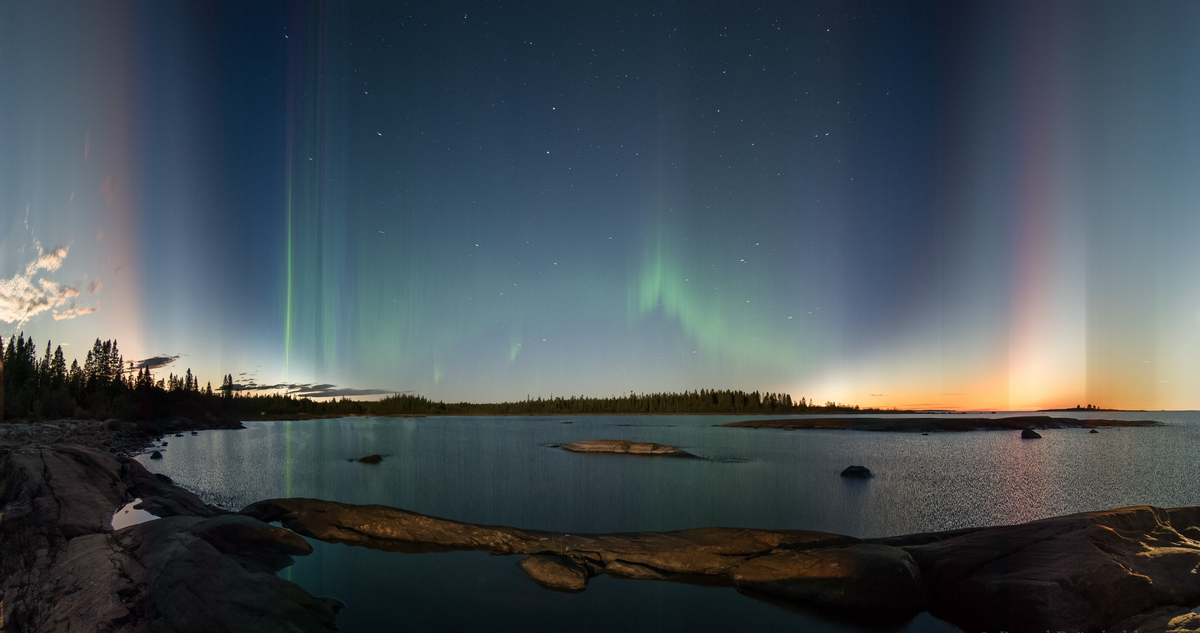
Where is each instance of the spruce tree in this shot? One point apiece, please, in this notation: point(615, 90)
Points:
point(58, 369)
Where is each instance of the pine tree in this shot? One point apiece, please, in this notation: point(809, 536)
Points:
point(58, 369)
point(76, 379)
point(44, 369)
point(145, 382)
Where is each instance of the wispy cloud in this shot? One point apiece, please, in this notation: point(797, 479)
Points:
point(154, 362)
point(333, 391)
point(309, 390)
point(72, 312)
point(25, 295)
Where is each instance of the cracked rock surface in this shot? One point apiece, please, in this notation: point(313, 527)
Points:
point(63, 568)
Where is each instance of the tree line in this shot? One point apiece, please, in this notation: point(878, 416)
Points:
point(36, 386)
point(40, 385)
point(700, 401)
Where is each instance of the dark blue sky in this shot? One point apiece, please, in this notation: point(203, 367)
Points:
point(911, 204)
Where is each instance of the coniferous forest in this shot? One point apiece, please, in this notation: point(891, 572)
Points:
point(38, 384)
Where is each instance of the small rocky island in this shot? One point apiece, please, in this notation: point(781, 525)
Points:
point(625, 447)
point(200, 568)
point(933, 424)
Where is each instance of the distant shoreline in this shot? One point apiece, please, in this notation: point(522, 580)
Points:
point(931, 425)
point(856, 416)
point(1083, 410)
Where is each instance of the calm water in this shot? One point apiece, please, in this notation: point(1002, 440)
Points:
point(501, 471)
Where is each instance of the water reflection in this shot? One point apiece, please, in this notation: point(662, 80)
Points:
point(501, 471)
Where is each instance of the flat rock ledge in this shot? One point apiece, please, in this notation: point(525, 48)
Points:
point(625, 447)
point(933, 424)
point(196, 569)
point(1125, 569)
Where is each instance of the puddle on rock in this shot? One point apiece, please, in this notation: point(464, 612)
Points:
point(128, 515)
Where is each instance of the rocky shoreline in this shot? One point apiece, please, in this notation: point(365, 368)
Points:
point(200, 568)
point(1129, 569)
point(113, 436)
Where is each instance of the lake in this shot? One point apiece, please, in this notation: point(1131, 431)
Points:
point(502, 470)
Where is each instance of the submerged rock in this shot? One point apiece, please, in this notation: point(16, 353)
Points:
point(626, 447)
point(370, 459)
point(881, 579)
point(1030, 434)
point(555, 572)
point(861, 472)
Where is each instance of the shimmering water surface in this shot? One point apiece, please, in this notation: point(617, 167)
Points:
point(501, 470)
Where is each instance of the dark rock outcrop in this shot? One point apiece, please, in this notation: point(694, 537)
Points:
point(859, 472)
point(625, 447)
point(370, 459)
point(156, 455)
point(63, 568)
point(1030, 434)
point(1083, 572)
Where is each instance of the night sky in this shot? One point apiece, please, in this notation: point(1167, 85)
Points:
point(970, 205)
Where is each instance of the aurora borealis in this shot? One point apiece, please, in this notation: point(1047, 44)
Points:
point(975, 205)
